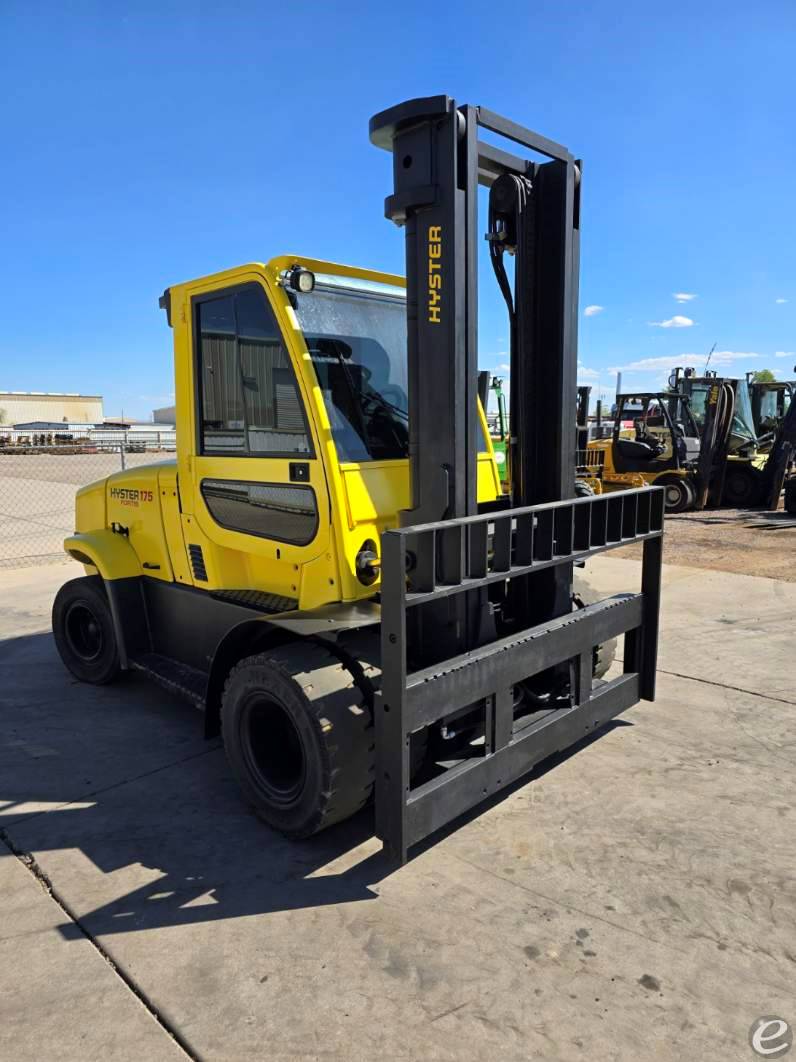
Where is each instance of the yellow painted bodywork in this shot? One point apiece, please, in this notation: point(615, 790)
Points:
point(613, 480)
point(163, 511)
point(103, 552)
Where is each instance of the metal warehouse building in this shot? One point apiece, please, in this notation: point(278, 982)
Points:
point(23, 407)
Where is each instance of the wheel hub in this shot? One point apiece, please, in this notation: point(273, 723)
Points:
point(272, 746)
point(84, 632)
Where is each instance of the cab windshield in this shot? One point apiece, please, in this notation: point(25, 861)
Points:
point(743, 423)
point(743, 431)
point(355, 332)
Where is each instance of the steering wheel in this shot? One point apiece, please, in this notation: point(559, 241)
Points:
point(395, 395)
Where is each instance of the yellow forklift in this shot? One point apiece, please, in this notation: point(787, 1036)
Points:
point(732, 459)
point(655, 441)
point(329, 569)
point(770, 401)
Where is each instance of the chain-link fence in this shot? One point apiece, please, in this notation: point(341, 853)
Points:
point(40, 473)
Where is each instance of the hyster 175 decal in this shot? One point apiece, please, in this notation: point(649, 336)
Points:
point(130, 495)
point(434, 273)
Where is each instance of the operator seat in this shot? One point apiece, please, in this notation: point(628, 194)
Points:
point(630, 450)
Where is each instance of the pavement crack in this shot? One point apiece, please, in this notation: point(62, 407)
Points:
point(726, 686)
point(445, 1013)
point(29, 862)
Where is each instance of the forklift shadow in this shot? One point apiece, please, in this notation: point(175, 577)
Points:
point(174, 845)
point(773, 520)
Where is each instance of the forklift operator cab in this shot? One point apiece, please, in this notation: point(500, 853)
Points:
point(664, 438)
point(297, 458)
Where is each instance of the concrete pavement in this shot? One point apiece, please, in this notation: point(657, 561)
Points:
point(59, 997)
point(636, 901)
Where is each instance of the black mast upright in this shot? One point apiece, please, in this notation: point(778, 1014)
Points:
point(435, 179)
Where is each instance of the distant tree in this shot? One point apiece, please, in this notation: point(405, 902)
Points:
point(763, 376)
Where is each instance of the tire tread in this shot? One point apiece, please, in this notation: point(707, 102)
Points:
point(343, 717)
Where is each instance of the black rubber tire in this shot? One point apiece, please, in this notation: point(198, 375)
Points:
point(679, 493)
point(583, 489)
point(605, 653)
point(317, 766)
point(790, 494)
point(742, 487)
point(83, 630)
point(363, 648)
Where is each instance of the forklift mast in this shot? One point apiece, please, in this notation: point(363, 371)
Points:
point(779, 466)
point(716, 417)
point(534, 214)
point(476, 607)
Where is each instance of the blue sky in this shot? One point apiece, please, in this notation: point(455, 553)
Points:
point(148, 143)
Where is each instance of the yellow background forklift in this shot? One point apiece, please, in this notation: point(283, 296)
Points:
point(655, 441)
point(731, 461)
point(330, 569)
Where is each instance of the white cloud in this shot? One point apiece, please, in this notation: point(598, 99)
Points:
point(585, 373)
point(674, 322)
point(780, 301)
point(505, 367)
point(592, 311)
point(725, 357)
point(719, 357)
point(683, 296)
point(647, 364)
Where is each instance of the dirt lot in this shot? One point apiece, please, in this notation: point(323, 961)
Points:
point(748, 542)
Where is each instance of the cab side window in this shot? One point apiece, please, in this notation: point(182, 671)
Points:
point(248, 395)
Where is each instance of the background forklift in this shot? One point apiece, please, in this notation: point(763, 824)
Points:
point(498, 426)
point(731, 459)
point(588, 463)
point(663, 452)
point(770, 401)
point(330, 569)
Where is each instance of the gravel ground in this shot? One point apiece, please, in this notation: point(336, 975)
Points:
point(745, 541)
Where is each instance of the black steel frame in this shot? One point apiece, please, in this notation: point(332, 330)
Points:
point(448, 570)
point(498, 547)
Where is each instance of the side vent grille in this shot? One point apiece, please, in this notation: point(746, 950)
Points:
point(198, 563)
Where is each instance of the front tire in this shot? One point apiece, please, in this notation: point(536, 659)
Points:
point(298, 737)
point(605, 652)
point(84, 632)
point(679, 493)
point(741, 487)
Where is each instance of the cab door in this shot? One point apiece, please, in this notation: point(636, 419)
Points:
point(259, 505)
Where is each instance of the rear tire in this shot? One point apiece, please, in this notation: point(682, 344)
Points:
point(83, 629)
point(679, 493)
point(741, 487)
point(790, 495)
point(298, 737)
